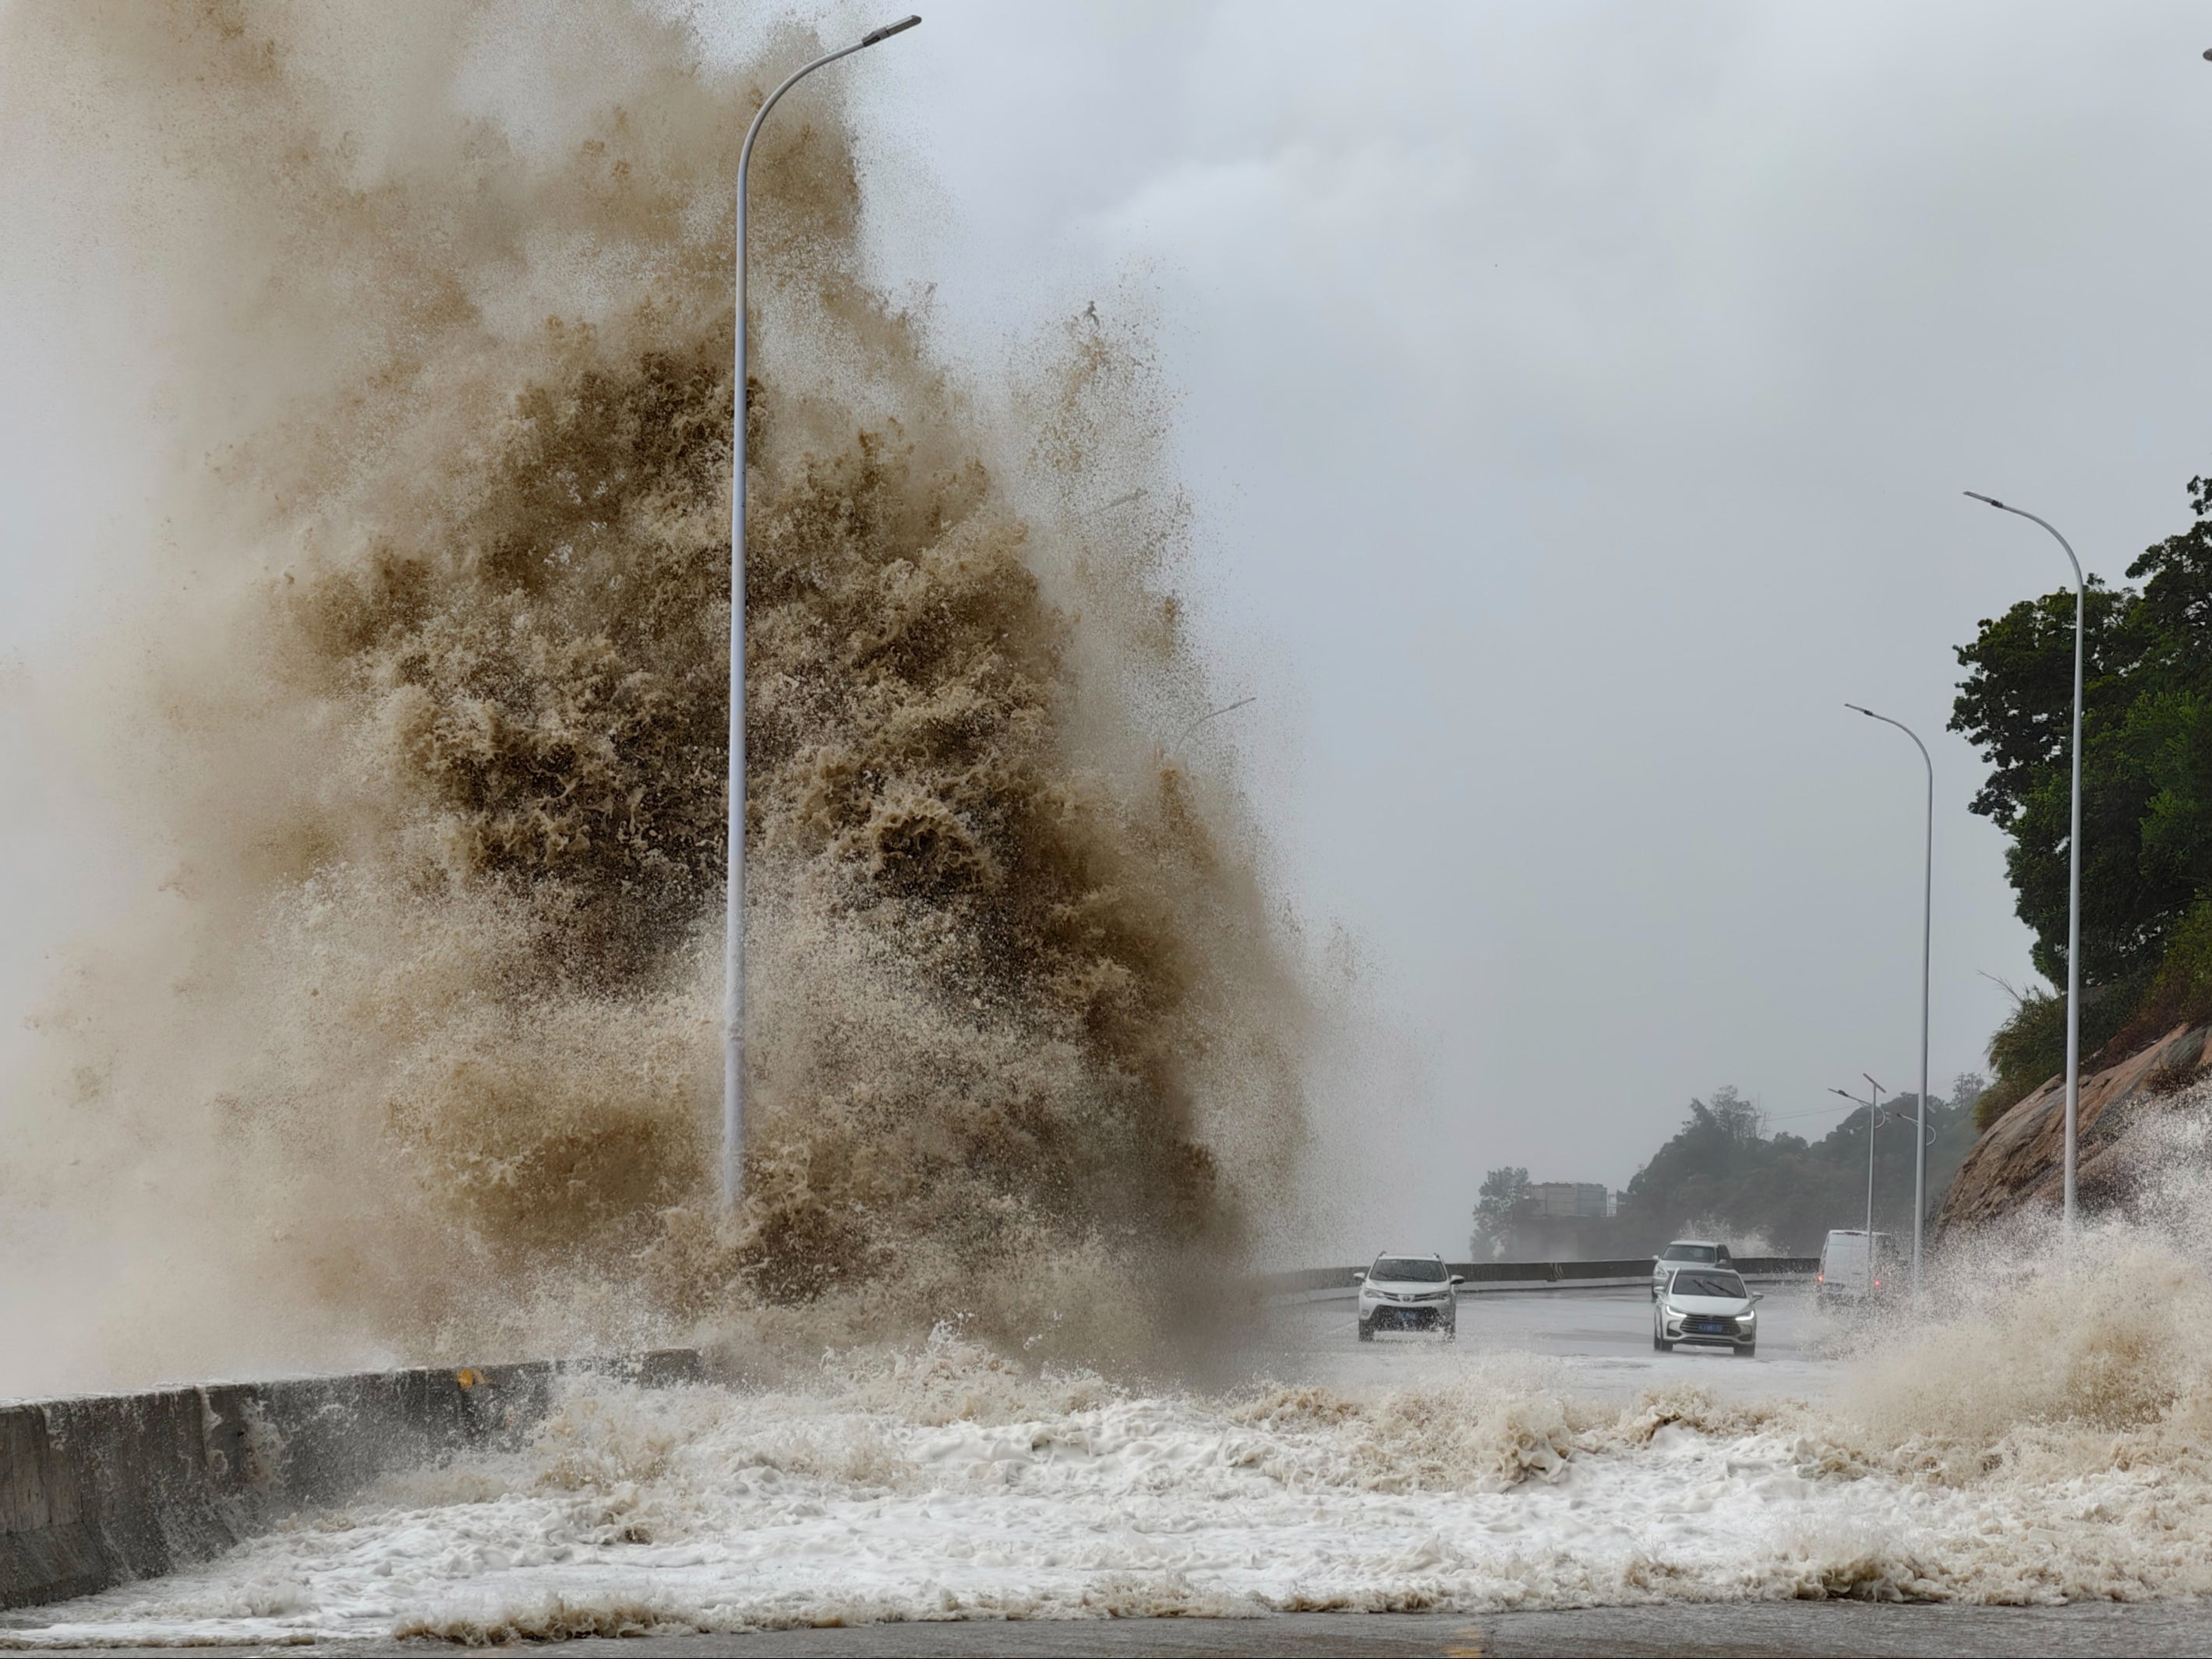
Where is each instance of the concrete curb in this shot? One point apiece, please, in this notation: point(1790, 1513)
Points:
point(102, 1490)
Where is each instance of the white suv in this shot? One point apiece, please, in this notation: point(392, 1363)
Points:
point(1408, 1294)
point(1710, 1305)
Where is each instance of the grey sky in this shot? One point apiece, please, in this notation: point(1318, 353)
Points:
point(1575, 402)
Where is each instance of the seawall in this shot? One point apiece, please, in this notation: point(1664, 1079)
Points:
point(101, 1490)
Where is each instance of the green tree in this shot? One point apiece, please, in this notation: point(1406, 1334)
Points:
point(1500, 1195)
point(2146, 789)
point(1720, 1168)
point(2016, 705)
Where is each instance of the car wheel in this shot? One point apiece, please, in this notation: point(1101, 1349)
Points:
point(1749, 1349)
point(1366, 1332)
point(1451, 1333)
point(1660, 1345)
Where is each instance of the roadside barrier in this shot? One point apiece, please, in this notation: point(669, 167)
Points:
point(102, 1490)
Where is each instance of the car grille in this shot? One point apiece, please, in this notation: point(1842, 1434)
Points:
point(1706, 1325)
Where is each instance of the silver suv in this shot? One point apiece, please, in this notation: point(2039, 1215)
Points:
point(1408, 1294)
point(1686, 1253)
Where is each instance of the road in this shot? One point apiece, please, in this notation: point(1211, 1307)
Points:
point(1840, 1629)
point(1601, 1339)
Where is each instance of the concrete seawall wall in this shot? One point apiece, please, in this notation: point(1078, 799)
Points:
point(98, 1491)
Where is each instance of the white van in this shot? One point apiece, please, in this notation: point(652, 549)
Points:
point(1855, 1266)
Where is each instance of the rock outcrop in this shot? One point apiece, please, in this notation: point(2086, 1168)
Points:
point(2018, 1164)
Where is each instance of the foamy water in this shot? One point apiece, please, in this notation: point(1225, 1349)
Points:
point(2042, 1441)
point(708, 1510)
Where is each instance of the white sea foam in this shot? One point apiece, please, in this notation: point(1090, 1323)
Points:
point(944, 1482)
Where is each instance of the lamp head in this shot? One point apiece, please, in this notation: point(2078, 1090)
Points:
point(1978, 495)
point(889, 30)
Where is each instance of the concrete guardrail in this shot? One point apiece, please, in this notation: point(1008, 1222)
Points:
point(102, 1490)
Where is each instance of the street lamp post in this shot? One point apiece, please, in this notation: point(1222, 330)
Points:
point(733, 937)
point(1872, 1104)
point(2074, 863)
point(1927, 930)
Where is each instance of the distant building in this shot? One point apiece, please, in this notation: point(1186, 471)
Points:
point(1568, 1198)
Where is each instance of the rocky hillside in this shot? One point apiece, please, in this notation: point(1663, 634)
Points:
point(2018, 1164)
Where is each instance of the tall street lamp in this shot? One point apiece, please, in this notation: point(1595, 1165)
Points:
point(1872, 1104)
point(733, 938)
point(1927, 929)
point(2074, 862)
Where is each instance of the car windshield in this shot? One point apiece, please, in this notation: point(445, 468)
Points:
point(1690, 1253)
point(1408, 1267)
point(1708, 1284)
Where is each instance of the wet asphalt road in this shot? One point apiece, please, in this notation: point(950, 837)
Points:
point(1601, 1339)
point(1821, 1628)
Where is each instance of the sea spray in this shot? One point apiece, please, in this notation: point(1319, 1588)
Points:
point(1958, 1460)
point(423, 706)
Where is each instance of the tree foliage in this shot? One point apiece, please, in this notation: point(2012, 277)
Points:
point(2146, 753)
point(1500, 1195)
point(1722, 1170)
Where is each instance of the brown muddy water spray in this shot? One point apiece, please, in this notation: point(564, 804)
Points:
point(420, 701)
point(418, 705)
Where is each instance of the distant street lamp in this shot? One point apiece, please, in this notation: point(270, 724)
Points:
point(1872, 1104)
point(2074, 862)
point(733, 937)
point(1927, 931)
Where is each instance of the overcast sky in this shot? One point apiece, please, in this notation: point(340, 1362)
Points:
point(1575, 400)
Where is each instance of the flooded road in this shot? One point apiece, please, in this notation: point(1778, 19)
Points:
point(1548, 1480)
point(1602, 1336)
